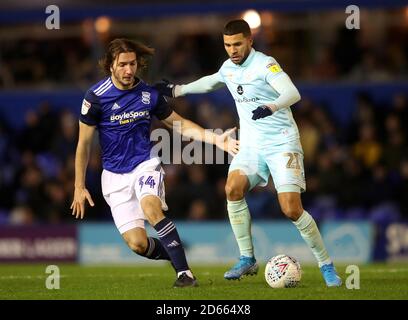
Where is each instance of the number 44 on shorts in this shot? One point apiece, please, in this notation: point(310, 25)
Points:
point(149, 181)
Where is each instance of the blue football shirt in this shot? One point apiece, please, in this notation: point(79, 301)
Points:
point(123, 119)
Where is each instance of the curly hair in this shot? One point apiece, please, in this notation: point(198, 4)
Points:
point(119, 46)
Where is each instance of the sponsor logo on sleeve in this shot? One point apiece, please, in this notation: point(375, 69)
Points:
point(85, 107)
point(274, 67)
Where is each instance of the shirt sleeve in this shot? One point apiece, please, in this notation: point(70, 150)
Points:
point(162, 109)
point(91, 109)
point(272, 69)
point(288, 93)
point(203, 85)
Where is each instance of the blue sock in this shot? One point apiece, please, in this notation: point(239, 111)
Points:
point(170, 240)
point(155, 250)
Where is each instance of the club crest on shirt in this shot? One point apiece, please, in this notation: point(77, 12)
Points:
point(274, 67)
point(145, 97)
point(85, 107)
point(240, 90)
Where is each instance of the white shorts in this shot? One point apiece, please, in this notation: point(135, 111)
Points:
point(284, 162)
point(124, 191)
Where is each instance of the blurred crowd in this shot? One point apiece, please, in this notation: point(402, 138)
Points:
point(358, 170)
point(348, 56)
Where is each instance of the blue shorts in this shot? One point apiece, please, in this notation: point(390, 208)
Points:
point(284, 162)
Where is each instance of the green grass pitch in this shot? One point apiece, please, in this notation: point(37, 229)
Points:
point(154, 282)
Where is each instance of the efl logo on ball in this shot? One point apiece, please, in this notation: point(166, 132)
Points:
point(283, 271)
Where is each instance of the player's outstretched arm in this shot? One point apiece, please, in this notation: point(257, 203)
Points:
point(288, 95)
point(83, 150)
point(193, 131)
point(202, 85)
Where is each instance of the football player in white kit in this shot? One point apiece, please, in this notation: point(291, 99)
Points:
point(121, 107)
point(269, 144)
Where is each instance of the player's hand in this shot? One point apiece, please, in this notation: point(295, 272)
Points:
point(165, 88)
point(78, 204)
point(227, 143)
point(261, 112)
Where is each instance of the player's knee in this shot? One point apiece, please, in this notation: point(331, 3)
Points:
point(138, 246)
point(233, 191)
point(151, 206)
point(292, 210)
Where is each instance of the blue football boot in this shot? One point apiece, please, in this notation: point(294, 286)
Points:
point(330, 275)
point(245, 266)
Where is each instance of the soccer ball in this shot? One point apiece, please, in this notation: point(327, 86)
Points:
point(283, 271)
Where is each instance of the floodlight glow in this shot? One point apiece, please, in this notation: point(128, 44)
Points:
point(102, 24)
point(253, 18)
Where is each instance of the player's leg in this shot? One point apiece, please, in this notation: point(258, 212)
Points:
point(128, 217)
point(120, 194)
point(286, 165)
point(291, 205)
point(149, 247)
point(170, 239)
point(240, 219)
point(129, 220)
point(245, 172)
point(235, 188)
point(150, 193)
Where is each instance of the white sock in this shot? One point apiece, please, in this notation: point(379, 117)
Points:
point(240, 220)
point(311, 234)
point(188, 272)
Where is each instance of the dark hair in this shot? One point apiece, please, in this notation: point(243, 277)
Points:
point(119, 46)
point(237, 26)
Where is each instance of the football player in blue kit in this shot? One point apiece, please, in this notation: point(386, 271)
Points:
point(269, 144)
point(121, 107)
